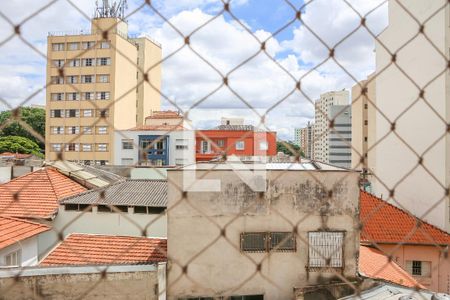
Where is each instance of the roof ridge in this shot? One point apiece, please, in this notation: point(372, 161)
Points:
point(23, 220)
point(417, 219)
point(113, 235)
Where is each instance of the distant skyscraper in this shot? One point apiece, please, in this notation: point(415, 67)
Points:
point(96, 85)
point(332, 144)
point(304, 138)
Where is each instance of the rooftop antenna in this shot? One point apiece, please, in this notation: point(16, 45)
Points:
point(114, 10)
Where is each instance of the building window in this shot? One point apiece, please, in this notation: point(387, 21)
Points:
point(73, 46)
point(13, 258)
point(57, 96)
point(72, 113)
point(72, 79)
point(88, 96)
point(56, 147)
point(180, 161)
point(104, 61)
point(103, 96)
point(181, 147)
point(57, 113)
point(127, 161)
point(58, 46)
point(87, 113)
point(127, 144)
point(88, 45)
point(72, 147)
point(325, 249)
point(220, 143)
point(205, 147)
point(87, 147)
point(87, 78)
point(267, 241)
point(240, 145)
point(104, 45)
point(88, 62)
point(74, 63)
point(263, 146)
point(103, 78)
point(58, 63)
point(419, 268)
point(73, 96)
point(57, 80)
point(57, 130)
point(87, 130)
point(102, 130)
point(102, 113)
point(73, 130)
point(102, 147)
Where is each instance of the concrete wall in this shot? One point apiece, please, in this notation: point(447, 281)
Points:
point(29, 251)
point(422, 125)
point(130, 224)
point(10, 172)
point(175, 155)
point(204, 232)
point(115, 282)
point(440, 266)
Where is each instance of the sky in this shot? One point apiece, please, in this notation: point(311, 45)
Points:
point(260, 83)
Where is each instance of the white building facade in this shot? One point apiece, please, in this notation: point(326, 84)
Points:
point(413, 164)
point(332, 144)
point(169, 147)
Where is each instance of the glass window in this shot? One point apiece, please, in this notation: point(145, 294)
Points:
point(88, 62)
point(102, 113)
point(87, 130)
point(58, 46)
point(88, 96)
point(240, 145)
point(103, 78)
point(102, 95)
point(103, 61)
point(73, 129)
point(220, 143)
point(87, 147)
point(73, 96)
point(87, 112)
point(72, 147)
point(74, 63)
point(58, 63)
point(102, 147)
point(72, 113)
point(13, 258)
point(72, 79)
point(57, 130)
point(57, 113)
point(105, 45)
point(87, 78)
point(102, 130)
point(127, 144)
point(57, 96)
point(56, 147)
point(57, 80)
point(88, 45)
point(73, 46)
point(419, 268)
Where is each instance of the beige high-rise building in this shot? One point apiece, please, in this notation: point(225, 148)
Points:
point(304, 138)
point(413, 164)
point(363, 126)
point(96, 84)
point(332, 145)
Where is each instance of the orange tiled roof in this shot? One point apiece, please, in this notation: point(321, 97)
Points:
point(15, 155)
point(36, 194)
point(374, 264)
point(165, 114)
point(13, 230)
point(90, 249)
point(158, 128)
point(385, 223)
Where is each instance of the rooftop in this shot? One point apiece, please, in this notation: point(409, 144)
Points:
point(14, 230)
point(386, 223)
point(36, 194)
point(91, 249)
point(167, 128)
point(130, 192)
point(165, 114)
point(374, 264)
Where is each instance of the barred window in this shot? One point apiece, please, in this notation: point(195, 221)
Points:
point(325, 249)
point(253, 241)
point(419, 268)
point(267, 241)
point(282, 241)
point(127, 144)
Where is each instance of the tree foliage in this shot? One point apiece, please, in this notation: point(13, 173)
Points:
point(19, 144)
point(286, 147)
point(35, 117)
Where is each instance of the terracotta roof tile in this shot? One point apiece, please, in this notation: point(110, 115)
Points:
point(385, 223)
point(36, 194)
point(13, 230)
point(90, 249)
point(158, 128)
point(374, 264)
point(165, 114)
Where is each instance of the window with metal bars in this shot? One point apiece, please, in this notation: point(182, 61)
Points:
point(325, 249)
point(267, 241)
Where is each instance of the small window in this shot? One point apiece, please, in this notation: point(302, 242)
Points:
point(282, 241)
point(73, 130)
point(102, 95)
point(253, 242)
point(56, 147)
point(74, 63)
point(88, 96)
point(104, 61)
point(57, 113)
point(73, 46)
point(58, 46)
point(104, 45)
point(71, 206)
point(103, 78)
point(240, 145)
point(73, 96)
point(156, 210)
point(263, 146)
point(87, 113)
point(102, 113)
point(88, 62)
point(57, 96)
point(127, 144)
point(85, 207)
point(102, 147)
point(181, 147)
point(71, 147)
point(104, 208)
point(102, 130)
point(87, 147)
point(419, 268)
point(140, 209)
point(13, 258)
point(58, 63)
point(325, 249)
point(220, 143)
point(57, 80)
point(88, 45)
point(57, 130)
point(72, 113)
point(87, 130)
point(87, 78)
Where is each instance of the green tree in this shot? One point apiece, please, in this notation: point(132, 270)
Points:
point(19, 144)
point(34, 117)
point(286, 147)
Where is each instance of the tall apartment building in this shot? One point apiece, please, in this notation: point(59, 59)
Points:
point(363, 128)
point(333, 145)
point(96, 85)
point(421, 126)
point(304, 138)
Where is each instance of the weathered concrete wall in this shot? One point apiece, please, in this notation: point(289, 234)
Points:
point(204, 232)
point(10, 172)
point(79, 283)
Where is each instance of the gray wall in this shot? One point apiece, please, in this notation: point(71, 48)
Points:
point(294, 200)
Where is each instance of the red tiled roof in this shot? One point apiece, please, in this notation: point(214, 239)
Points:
point(165, 114)
point(13, 230)
point(36, 194)
point(90, 249)
point(15, 155)
point(158, 128)
point(385, 223)
point(374, 264)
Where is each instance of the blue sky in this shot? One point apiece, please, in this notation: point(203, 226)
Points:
point(262, 82)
